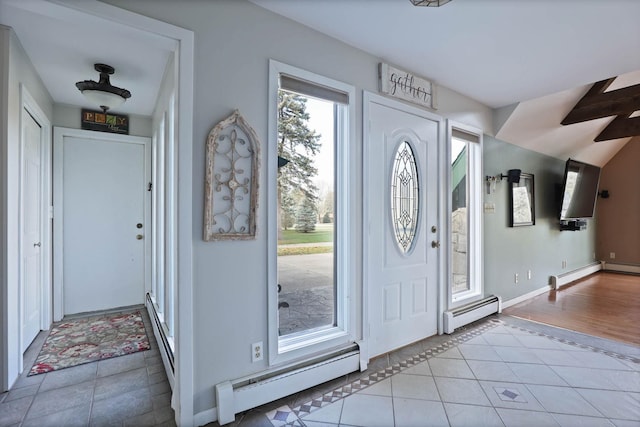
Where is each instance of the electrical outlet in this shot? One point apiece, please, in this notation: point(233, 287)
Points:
point(256, 351)
point(515, 278)
point(528, 274)
point(612, 255)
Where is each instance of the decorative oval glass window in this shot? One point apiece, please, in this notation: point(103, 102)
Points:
point(404, 197)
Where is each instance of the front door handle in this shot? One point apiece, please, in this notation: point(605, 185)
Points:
point(139, 236)
point(435, 244)
point(37, 244)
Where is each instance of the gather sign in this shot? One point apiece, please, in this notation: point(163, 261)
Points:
point(406, 86)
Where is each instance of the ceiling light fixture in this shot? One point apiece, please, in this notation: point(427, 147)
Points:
point(431, 3)
point(102, 93)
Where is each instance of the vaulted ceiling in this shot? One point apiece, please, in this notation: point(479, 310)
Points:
point(531, 61)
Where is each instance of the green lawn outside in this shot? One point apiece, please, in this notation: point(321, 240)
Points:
point(305, 250)
point(323, 233)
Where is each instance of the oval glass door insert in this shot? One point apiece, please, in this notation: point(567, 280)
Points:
point(404, 197)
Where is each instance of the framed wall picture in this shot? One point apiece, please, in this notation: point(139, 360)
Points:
point(522, 201)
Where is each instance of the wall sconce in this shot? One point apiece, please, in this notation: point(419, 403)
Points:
point(102, 93)
point(513, 176)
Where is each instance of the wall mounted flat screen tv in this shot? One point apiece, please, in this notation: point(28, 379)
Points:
point(579, 190)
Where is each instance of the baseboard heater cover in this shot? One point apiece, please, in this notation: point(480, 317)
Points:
point(466, 314)
point(573, 275)
point(161, 337)
point(621, 268)
point(240, 395)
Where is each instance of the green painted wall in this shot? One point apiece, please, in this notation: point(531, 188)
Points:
point(540, 248)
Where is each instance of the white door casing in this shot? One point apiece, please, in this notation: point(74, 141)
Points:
point(402, 288)
point(101, 257)
point(31, 220)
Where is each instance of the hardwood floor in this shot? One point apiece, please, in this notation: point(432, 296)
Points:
point(605, 305)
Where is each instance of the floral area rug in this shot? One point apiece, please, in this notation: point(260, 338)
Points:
point(90, 339)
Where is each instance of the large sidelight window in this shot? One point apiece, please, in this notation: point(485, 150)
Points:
point(310, 242)
point(465, 221)
point(164, 221)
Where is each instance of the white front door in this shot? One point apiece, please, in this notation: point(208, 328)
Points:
point(401, 202)
point(101, 226)
point(32, 274)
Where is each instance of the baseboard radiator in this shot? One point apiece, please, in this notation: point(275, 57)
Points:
point(573, 275)
point(249, 392)
point(466, 314)
point(621, 268)
point(163, 342)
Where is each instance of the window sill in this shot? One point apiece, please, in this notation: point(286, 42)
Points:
point(464, 298)
point(306, 345)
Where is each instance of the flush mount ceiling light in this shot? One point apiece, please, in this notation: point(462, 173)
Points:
point(102, 93)
point(432, 3)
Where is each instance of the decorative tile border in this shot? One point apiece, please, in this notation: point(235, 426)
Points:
point(346, 390)
point(295, 414)
point(282, 416)
point(574, 344)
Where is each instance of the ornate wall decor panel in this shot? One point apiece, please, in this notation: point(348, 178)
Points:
point(404, 197)
point(231, 186)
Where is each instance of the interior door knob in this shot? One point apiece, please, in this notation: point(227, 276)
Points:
point(139, 236)
point(435, 244)
point(37, 244)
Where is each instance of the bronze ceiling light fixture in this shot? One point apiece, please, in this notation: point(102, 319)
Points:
point(430, 3)
point(102, 93)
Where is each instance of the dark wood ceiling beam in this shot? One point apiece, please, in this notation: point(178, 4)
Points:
point(620, 127)
point(597, 103)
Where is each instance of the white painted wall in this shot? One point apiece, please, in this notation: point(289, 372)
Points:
point(19, 70)
point(69, 116)
point(234, 41)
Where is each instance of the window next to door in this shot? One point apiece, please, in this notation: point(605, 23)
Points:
point(311, 213)
point(164, 221)
point(465, 214)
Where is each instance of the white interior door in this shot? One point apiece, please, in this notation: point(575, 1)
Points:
point(32, 274)
point(402, 210)
point(101, 216)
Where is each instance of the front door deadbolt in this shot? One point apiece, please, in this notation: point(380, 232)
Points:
point(138, 225)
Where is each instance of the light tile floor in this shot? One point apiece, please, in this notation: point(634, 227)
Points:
point(501, 372)
point(129, 390)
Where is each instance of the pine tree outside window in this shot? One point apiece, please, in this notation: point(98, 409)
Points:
point(306, 264)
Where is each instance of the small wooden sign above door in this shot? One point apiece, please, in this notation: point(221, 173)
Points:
point(105, 122)
point(407, 86)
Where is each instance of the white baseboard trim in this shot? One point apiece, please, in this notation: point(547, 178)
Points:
point(205, 417)
point(521, 298)
point(570, 276)
point(623, 268)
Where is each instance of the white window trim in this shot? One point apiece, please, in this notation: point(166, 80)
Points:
point(298, 347)
point(474, 197)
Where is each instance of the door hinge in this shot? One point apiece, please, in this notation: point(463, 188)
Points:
point(50, 212)
point(149, 187)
